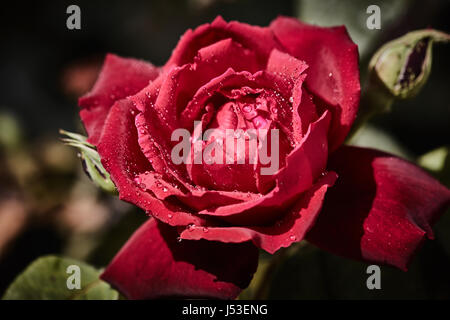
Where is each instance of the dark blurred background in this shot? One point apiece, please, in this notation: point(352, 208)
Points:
point(47, 205)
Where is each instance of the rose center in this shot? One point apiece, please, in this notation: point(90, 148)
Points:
point(235, 136)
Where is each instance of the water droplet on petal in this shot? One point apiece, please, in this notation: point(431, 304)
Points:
point(142, 186)
point(247, 108)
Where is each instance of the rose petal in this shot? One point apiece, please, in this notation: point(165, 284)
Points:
point(153, 264)
point(291, 70)
point(286, 66)
point(205, 175)
point(175, 101)
point(303, 166)
point(119, 78)
point(381, 208)
point(258, 39)
point(197, 199)
point(154, 135)
point(169, 179)
point(333, 73)
point(292, 228)
point(211, 62)
point(123, 159)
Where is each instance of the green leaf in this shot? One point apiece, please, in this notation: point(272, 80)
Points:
point(11, 136)
point(46, 279)
point(90, 158)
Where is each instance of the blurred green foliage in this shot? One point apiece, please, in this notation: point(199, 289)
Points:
point(46, 279)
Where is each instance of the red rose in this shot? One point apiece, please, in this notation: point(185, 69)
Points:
point(209, 219)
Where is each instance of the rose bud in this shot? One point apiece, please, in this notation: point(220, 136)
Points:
point(404, 64)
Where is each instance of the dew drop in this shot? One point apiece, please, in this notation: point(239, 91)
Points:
point(247, 108)
point(142, 186)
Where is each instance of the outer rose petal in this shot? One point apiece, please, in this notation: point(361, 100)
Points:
point(181, 83)
point(259, 39)
point(123, 158)
point(380, 209)
point(333, 73)
point(153, 264)
point(119, 78)
point(196, 199)
point(292, 228)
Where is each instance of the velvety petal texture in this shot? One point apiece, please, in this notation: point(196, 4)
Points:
point(333, 75)
point(295, 223)
point(119, 78)
point(260, 40)
point(123, 158)
point(303, 167)
point(154, 264)
point(381, 208)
